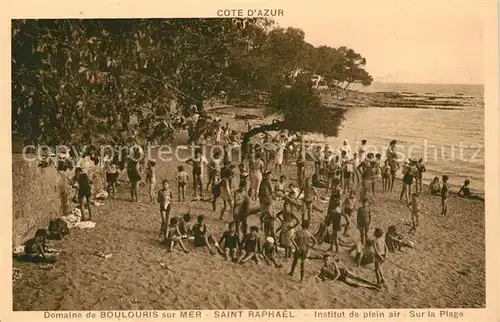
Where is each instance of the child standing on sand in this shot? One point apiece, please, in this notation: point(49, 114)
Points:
point(386, 176)
point(151, 179)
point(302, 241)
point(164, 199)
point(349, 205)
point(415, 211)
point(445, 191)
point(174, 237)
point(420, 174)
point(182, 178)
point(364, 219)
point(381, 251)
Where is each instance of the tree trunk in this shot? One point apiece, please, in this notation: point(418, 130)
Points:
point(275, 126)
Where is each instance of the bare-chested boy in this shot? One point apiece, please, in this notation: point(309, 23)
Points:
point(381, 251)
point(302, 241)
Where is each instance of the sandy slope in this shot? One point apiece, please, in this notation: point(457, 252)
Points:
point(427, 276)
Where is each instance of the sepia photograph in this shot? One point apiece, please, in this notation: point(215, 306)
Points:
point(248, 162)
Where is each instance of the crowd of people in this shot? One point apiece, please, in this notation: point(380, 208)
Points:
point(345, 180)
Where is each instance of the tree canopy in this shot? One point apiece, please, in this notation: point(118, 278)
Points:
point(78, 79)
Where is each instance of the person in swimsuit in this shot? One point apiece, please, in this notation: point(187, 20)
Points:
point(182, 178)
point(302, 241)
point(420, 175)
point(288, 223)
point(330, 271)
point(230, 242)
point(240, 208)
point(197, 163)
point(165, 201)
point(335, 218)
point(268, 252)
point(310, 194)
point(256, 170)
point(133, 173)
point(392, 156)
point(364, 254)
point(367, 170)
point(36, 250)
point(201, 237)
point(386, 176)
point(151, 179)
point(278, 158)
point(173, 236)
point(445, 192)
point(435, 187)
point(111, 174)
point(414, 206)
point(364, 219)
point(348, 208)
point(243, 175)
point(266, 193)
point(377, 172)
point(466, 193)
point(226, 195)
point(318, 160)
point(409, 173)
point(84, 191)
point(185, 225)
point(250, 246)
point(214, 169)
point(301, 168)
point(380, 249)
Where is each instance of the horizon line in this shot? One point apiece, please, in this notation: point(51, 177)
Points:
point(422, 82)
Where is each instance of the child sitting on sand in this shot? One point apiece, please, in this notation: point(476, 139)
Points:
point(381, 251)
point(445, 191)
point(364, 254)
point(435, 187)
point(269, 252)
point(330, 271)
point(36, 249)
point(173, 236)
point(230, 242)
point(250, 246)
point(201, 237)
point(182, 178)
point(466, 193)
point(185, 225)
point(396, 241)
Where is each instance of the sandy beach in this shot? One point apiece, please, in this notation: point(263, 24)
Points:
point(445, 269)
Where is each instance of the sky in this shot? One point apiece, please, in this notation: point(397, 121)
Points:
point(409, 46)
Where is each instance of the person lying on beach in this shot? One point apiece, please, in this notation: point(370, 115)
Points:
point(174, 237)
point(414, 206)
point(36, 249)
point(330, 271)
point(466, 193)
point(302, 240)
point(364, 254)
point(268, 252)
point(435, 187)
point(250, 246)
point(230, 242)
point(381, 251)
point(201, 237)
